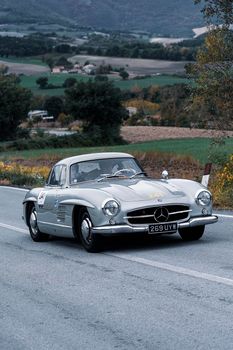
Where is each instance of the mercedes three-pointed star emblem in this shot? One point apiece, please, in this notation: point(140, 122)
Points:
point(161, 214)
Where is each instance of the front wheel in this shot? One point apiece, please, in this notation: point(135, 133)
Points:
point(35, 233)
point(89, 241)
point(192, 233)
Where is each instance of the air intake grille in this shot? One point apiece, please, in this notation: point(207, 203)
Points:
point(168, 213)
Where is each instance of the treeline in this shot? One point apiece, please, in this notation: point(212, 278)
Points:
point(175, 52)
point(27, 46)
point(41, 44)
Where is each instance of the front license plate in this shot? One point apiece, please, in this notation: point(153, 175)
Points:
point(162, 228)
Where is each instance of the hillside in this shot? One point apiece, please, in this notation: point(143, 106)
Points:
point(165, 17)
point(30, 11)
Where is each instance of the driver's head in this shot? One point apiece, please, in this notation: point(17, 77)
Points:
point(106, 166)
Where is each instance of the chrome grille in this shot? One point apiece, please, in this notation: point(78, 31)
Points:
point(166, 213)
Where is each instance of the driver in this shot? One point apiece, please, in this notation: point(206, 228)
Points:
point(107, 167)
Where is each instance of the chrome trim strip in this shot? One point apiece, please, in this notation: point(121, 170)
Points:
point(180, 212)
point(206, 220)
point(51, 224)
point(138, 217)
point(118, 229)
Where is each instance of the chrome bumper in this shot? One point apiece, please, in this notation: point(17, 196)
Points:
point(118, 229)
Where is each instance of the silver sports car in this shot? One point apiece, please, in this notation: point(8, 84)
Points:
point(103, 194)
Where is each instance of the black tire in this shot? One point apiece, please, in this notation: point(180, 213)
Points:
point(35, 233)
point(92, 243)
point(192, 233)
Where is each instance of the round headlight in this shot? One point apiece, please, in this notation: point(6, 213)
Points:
point(204, 198)
point(111, 207)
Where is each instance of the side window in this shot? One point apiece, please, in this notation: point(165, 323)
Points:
point(56, 176)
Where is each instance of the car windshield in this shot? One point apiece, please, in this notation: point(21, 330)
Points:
point(105, 168)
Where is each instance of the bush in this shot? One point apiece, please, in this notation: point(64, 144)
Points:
point(65, 119)
point(15, 174)
point(88, 139)
point(222, 185)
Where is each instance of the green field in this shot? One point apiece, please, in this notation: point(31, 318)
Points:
point(197, 148)
point(58, 79)
point(29, 82)
point(160, 80)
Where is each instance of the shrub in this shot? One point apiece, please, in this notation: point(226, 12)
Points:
point(222, 185)
point(88, 139)
point(64, 119)
point(15, 174)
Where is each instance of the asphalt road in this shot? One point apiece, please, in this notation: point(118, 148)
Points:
point(157, 293)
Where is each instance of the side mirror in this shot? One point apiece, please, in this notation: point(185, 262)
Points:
point(165, 175)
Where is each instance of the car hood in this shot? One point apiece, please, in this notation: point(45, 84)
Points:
point(139, 190)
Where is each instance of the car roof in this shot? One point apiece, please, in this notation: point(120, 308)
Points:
point(93, 156)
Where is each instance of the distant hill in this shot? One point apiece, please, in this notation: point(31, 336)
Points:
point(165, 17)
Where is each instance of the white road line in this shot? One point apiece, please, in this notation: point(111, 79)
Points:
point(13, 228)
point(173, 268)
point(224, 216)
point(14, 188)
point(153, 263)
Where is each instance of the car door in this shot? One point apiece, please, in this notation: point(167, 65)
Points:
point(48, 200)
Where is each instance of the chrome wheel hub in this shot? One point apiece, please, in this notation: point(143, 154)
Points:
point(86, 230)
point(33, 222)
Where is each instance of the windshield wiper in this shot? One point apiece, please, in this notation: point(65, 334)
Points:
point(109, 176)
point(139, 173)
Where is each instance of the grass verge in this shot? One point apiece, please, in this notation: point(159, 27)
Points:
point(198, 148)
point(183, 158)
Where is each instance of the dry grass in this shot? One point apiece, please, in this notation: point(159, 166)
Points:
point(178, 166)
point(134, 134)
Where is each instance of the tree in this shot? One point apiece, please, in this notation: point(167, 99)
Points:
point(219, 12)
point(15, 102)
point(123, 74)
point(69, 82)
point(98, 105)
point(62, 61)
point(3, 69)
point(42, 82)
point(64, 119)
point(63, 48)
point(212, 96)
point(37, 102)
point(104, 69)
point(101, 78)
point(50, 62)
point(54, 105)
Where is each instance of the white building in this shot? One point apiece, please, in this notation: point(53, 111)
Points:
point(39, 114)
point(89, 68)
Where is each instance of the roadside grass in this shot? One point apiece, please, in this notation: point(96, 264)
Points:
point(183, 158)
point(58, 80)
point(198, 148)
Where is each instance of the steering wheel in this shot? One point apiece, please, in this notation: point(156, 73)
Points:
point(124, 170)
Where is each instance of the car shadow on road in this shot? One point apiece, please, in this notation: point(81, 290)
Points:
point(146, 243)
point(138, 242)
